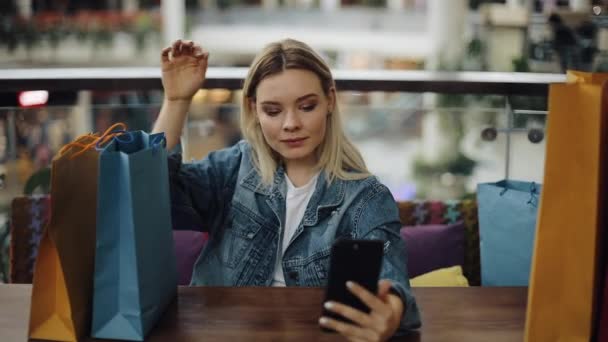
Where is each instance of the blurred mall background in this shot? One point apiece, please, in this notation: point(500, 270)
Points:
point(422, 145)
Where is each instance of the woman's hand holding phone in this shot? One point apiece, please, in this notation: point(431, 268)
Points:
point(386, 310)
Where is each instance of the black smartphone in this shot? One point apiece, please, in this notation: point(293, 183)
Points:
point(353, 260)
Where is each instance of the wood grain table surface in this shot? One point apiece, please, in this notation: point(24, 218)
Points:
point(290, 314)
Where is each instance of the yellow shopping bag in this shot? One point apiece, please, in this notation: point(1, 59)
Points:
point(63, 274)
point(561, 296)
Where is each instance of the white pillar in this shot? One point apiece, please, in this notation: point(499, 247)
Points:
point(270, 4)
point(330, 5)
point(207, 4)
point(81, 116)
point(395, 5)
point(580, 5)
point(446, 25)
point(173, 14)
point(446, 21)
point(130, 6)
point(24, 8)
point(602, 39)
point(305, 4)
point(514, 3)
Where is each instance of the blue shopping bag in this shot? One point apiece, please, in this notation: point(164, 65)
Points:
point(507, 223)
point(135, 275)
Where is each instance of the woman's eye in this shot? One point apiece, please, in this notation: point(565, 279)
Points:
point(309, 108)
point(272, 111)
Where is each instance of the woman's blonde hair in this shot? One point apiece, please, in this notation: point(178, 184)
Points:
point(336, 153)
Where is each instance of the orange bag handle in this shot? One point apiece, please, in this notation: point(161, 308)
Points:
point(90, 140)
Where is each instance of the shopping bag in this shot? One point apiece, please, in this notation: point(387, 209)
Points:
point(563, 280)
point(135, 269)
point(507, 223)
point(29, 216)
point(63, 272)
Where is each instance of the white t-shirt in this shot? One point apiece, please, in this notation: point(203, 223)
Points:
point(296, 203)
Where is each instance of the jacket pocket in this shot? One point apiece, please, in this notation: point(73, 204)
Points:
point(239, 237)
point(317, 270)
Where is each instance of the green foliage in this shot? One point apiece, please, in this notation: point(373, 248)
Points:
point(374, 3)
point(28, 35)
point(141, 30)
point(8, 37)
point(520, 64)
point(475, 48)
point(4, 252)
point(601, 62)
point(102, 37)
point(452, 100)
point(98, 30)
point(54, 35)
point(457, 164)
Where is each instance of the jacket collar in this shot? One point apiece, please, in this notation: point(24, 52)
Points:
point(253, 182)
point(323, 201)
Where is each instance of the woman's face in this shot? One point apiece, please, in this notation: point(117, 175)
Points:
point(292, 110)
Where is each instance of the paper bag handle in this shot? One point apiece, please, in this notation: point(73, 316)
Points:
point(89, 140)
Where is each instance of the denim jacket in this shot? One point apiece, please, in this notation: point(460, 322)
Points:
point(223, 195)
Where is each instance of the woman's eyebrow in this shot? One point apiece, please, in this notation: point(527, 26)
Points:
point(270, 103)
point(302, 98)
point(299, 99)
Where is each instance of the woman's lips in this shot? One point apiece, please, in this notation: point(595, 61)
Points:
point(295, 142)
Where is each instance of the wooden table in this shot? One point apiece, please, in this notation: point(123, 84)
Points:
point(281, 314)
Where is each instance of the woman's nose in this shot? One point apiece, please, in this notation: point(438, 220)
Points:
point(292, 121)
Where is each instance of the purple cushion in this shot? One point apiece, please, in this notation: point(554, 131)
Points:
point(188, 246)
point(431, 247)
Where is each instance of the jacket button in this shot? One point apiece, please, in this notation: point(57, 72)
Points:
point(294, 275)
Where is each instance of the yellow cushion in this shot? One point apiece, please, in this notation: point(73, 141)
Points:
point(451, 276)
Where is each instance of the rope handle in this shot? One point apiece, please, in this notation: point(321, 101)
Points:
point(159, 141)
point(114, 135)
point(533, 200)
point(89, 140)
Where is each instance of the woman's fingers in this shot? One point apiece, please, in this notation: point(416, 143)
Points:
point(190, 47)
point(164, 55)
point(372, 326)
point(372, 322)
point(384, 288)
point(176, 48)
point(350, 331)
point(352, 314)
point(369, 299)
point(183, 48)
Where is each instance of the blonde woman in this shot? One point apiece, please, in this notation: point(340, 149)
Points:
point(274, 203)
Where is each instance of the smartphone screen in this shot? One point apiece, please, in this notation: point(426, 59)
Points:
point(353, 260)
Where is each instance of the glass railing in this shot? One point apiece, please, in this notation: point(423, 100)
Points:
point(418, 152)
point(426, 135)
point(423, 153)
